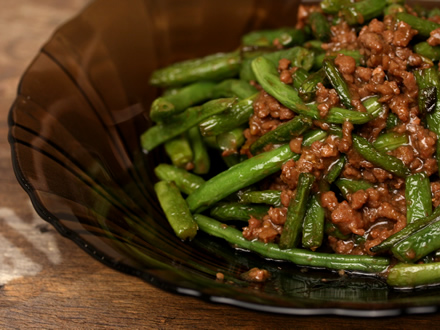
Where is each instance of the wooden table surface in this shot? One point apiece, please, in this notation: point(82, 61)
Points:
point(46, 281)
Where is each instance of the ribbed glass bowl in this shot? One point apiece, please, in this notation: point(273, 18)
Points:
point(74, 133)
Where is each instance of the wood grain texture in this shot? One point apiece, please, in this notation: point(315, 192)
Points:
point(48, 282)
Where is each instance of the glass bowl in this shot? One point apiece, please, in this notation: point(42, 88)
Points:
point(74, 132)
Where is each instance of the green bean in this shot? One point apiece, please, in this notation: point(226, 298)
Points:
point(184, 180)
point(176, 210)
point(312, 136)
point(338, 82)
point(296, 211)
point(333, 6)
point(298, 56)
point(238, 211)
point(235, 116)
point(298, 77)
point(410, 276)
point(282, 134)
point(434, 12)
point(213, 67)
point(335, 170)
point(285, 36)
point(320, 26)
point(431, 52)
point(394, 9)
point(406, 232)
point(210, 141)
point(297, 256)
point(350, 186)
point(308, 88)
point(331, 230)
point(390, 141)
point(164, 107)
point(268, 78)
point(232, 140)
point(373, 106)
point(425, 79)
point(363, 11)
point(315, 45)
point(392, 121)
point(419, 244)
point(383, 160)
point(201, 161)
point(239, 176)
point(233, 88)
point(318, 61)
point(418, 197)
point(269, 197)
point(163, 132)
point(423, 26)
point(179, 151)
point(354, 53)
point(313, 226)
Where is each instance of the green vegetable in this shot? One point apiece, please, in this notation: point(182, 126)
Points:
point(383, 160)
point(238, 211)
point(362, 11)
point(239, 176)
point(390, 141)
point(418, 197)
point(269, 197)
point(237, 115)
point(297, 256)
point(233, 88)
point(184, 180)
point(166, 106)
point(320, 26)
point(282, 134)
point(410, 276)
point(350, 186)
point(338, 82)
point(423, 26)
point(313, 225)
point(406, 232)
point(296, 211)
point(213, 67)
point(176, 210)
point(179, 124)
point(179, 151)
point(285, 36)
point(201, 161)
point(267, 76)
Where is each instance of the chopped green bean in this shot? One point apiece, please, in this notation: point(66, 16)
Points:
point(239, 176)
point(297, 256)
point(201, 160)
point(184, 180)
point(238, 211)
point(269, 197)
point(176, 210)
point(179, 150)
point(296, 211)
point(163, 132)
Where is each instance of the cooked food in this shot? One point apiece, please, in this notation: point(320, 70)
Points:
point(328, 132)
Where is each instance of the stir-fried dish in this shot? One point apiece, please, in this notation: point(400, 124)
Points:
point(327, 134)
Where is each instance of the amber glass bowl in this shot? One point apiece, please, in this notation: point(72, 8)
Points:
point(74, 133)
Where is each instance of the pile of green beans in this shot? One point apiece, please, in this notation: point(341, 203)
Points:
point(205, 108)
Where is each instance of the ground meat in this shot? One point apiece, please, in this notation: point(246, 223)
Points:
point(315, 160)
point(326, 99)
point(435, 192)
point(256, 275)
point(385, 71)
point(434, 39)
